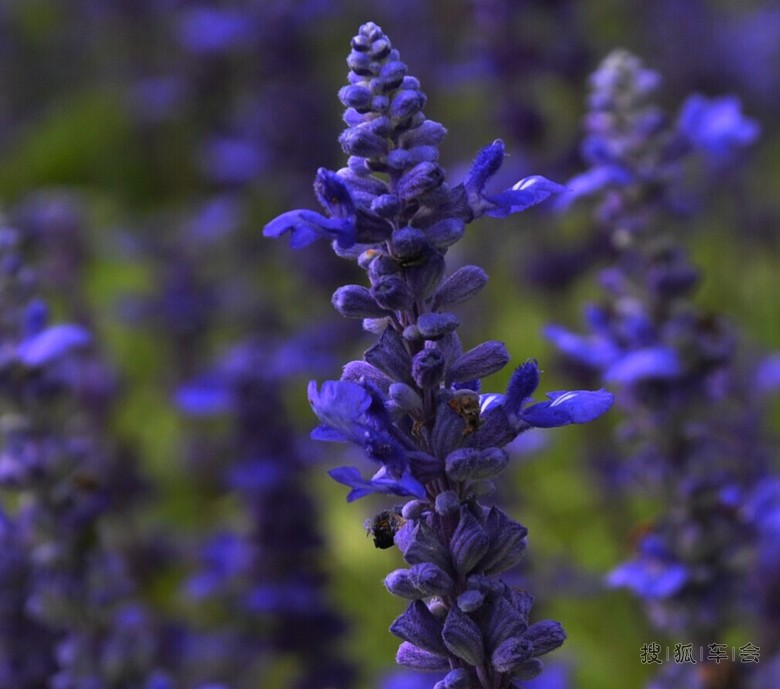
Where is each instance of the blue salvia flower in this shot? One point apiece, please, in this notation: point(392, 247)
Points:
point(413, 404)
point(26, 658)
point(60, 480)
point(269, 581)
point(692, 427)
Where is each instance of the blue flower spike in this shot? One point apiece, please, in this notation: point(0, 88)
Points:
point(412, 405)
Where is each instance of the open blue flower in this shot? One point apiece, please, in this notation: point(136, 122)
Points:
point(349, 412)
point(717, 125)
point(562, 408)
point(381, 482)
point(42, 345)
point(653, 574)
point(306, 226)
point(524, 194)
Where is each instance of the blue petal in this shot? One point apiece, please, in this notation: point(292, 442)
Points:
point(485, 165)
point(590, 182)
point(526, 193)
point(652, 579)
point(522, 384)
point(51, 343)
point(767, 374)
point(717, 125)
point(641, 364)
point(592, 350)
point(205, 396)
point(333, 193)
point(565, 407)
point(489, 400)
point(381, 482)
point(339, 405)
point(329, 435)
point(307, 226)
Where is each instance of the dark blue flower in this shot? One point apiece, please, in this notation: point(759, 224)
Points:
point(381, 482)
point(564, 407)
point(306, 227)
point(52, 343)
point(717, 125)
point(348, 412)
point(653, 574)
point(524, 194)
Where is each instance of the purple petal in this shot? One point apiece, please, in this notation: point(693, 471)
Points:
point(591, 182)
point(205, 396)
point(307, 226)
point(381, 482)
point(526, 193)
point(649, 362)
point(521, 386)
point(592, 350)
point(717, 125)
point(339, 404)
point(51, 343)
point(653, 579)
point(565, 407)
point(485, 165)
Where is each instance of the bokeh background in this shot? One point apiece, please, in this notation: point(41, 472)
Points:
point(145, 143)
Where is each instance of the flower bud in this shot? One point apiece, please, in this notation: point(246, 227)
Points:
point(361, 371)
point(455, 679)
point(471, 600)
point(510, 654)
point(429, 133)
point(399, 583)
point(435, 325)
point(545, 636)
point(507, 542)
point(392, 293)
point(463, 284)
point(431, 580)
point(481, 361)
point(358, 97)
point(416, 658)
point(405, 103)
point(467, 463)
point(421, 179)
point(463, 637)
point(386, 205)
point(405, 398)
point(360, 141)
point(414, 509)
point(447, 502)
point(445, 233)
point(421, 544)
point(424, 274)
point(408, 244)
point(355, 301)
point(391, 357)
point(469, 542)
point(428, 368)
point(419, 627)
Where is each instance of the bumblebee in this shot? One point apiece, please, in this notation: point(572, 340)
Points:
point(465, 403)
point(384, 527)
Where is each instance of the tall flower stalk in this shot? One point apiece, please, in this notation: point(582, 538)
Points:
point(414, 403)
point(72, 618)
point(691, 417)
point(267, 578)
